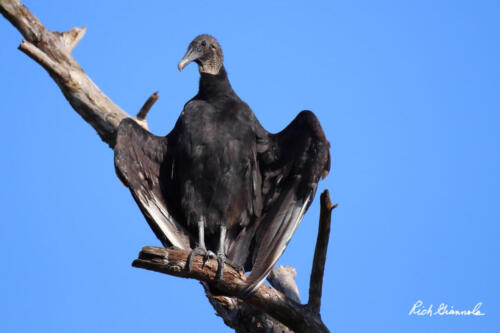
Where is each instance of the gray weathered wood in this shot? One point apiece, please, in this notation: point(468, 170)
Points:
point(283, 279)
point(296, 316)
point(52, 50)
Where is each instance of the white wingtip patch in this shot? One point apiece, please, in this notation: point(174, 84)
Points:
point(296, 214)
point(164, 221)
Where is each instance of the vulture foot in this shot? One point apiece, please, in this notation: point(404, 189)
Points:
point(199, 251)
point(221, 261)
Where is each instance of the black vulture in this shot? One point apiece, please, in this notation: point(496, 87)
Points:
point(219, 182)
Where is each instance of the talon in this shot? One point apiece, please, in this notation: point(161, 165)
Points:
point(209, 255)
point(198, 250)
point(221, 259)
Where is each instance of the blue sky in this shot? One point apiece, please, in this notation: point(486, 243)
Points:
point(407, 93)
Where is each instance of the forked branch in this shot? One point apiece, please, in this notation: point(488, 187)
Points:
point(52, 50)
point(267, 299)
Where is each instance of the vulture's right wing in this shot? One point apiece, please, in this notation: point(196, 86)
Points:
point(138, 159)
point(291, 163)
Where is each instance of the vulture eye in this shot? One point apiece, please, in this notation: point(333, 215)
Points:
point(203, 43)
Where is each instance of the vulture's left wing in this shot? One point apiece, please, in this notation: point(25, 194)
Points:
point(291, 164)
point(139, 156)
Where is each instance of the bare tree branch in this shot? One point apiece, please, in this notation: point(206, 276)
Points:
point(243, 317)
point(73, 37)
point(140, 118)
point(266, 311)
point(297, 317)
point(52, 50)
point(54, 68)
point(318, 269)
point(147, 106)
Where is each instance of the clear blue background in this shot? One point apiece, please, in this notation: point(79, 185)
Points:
point(407, 92)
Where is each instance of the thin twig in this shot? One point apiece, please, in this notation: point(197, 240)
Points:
point(318, 269)
point(72, 37)
point(141, 115)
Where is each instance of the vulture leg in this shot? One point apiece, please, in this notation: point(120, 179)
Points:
point(201, 249)
point(221, 255)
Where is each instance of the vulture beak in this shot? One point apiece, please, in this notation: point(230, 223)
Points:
point(191, 55)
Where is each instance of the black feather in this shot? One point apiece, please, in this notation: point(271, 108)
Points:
point(220, 165)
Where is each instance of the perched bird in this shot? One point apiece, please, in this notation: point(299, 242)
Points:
point(219, 183)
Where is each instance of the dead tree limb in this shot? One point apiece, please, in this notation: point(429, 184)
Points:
point(266, 311)
point(52, 50)
point(143, 112)
point(318, 269)
point(140, 118)
point(297, 317)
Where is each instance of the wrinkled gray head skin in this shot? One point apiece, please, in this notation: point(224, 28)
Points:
point(206, 52)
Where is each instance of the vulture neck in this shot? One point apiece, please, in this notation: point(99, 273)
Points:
point(215, 86)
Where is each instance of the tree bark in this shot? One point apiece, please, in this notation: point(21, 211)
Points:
point(297, 317)
point(268, 310)
point(319, 261)
point(52, 50)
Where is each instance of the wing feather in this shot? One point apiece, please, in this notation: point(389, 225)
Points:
point(138, 159)
point(291, 164)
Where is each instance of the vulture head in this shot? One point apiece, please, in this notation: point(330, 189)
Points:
point(206, 52)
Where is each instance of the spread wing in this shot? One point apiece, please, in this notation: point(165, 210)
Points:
point(139, 156)
point(291, 164)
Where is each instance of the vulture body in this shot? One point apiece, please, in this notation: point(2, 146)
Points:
point(219, 182)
